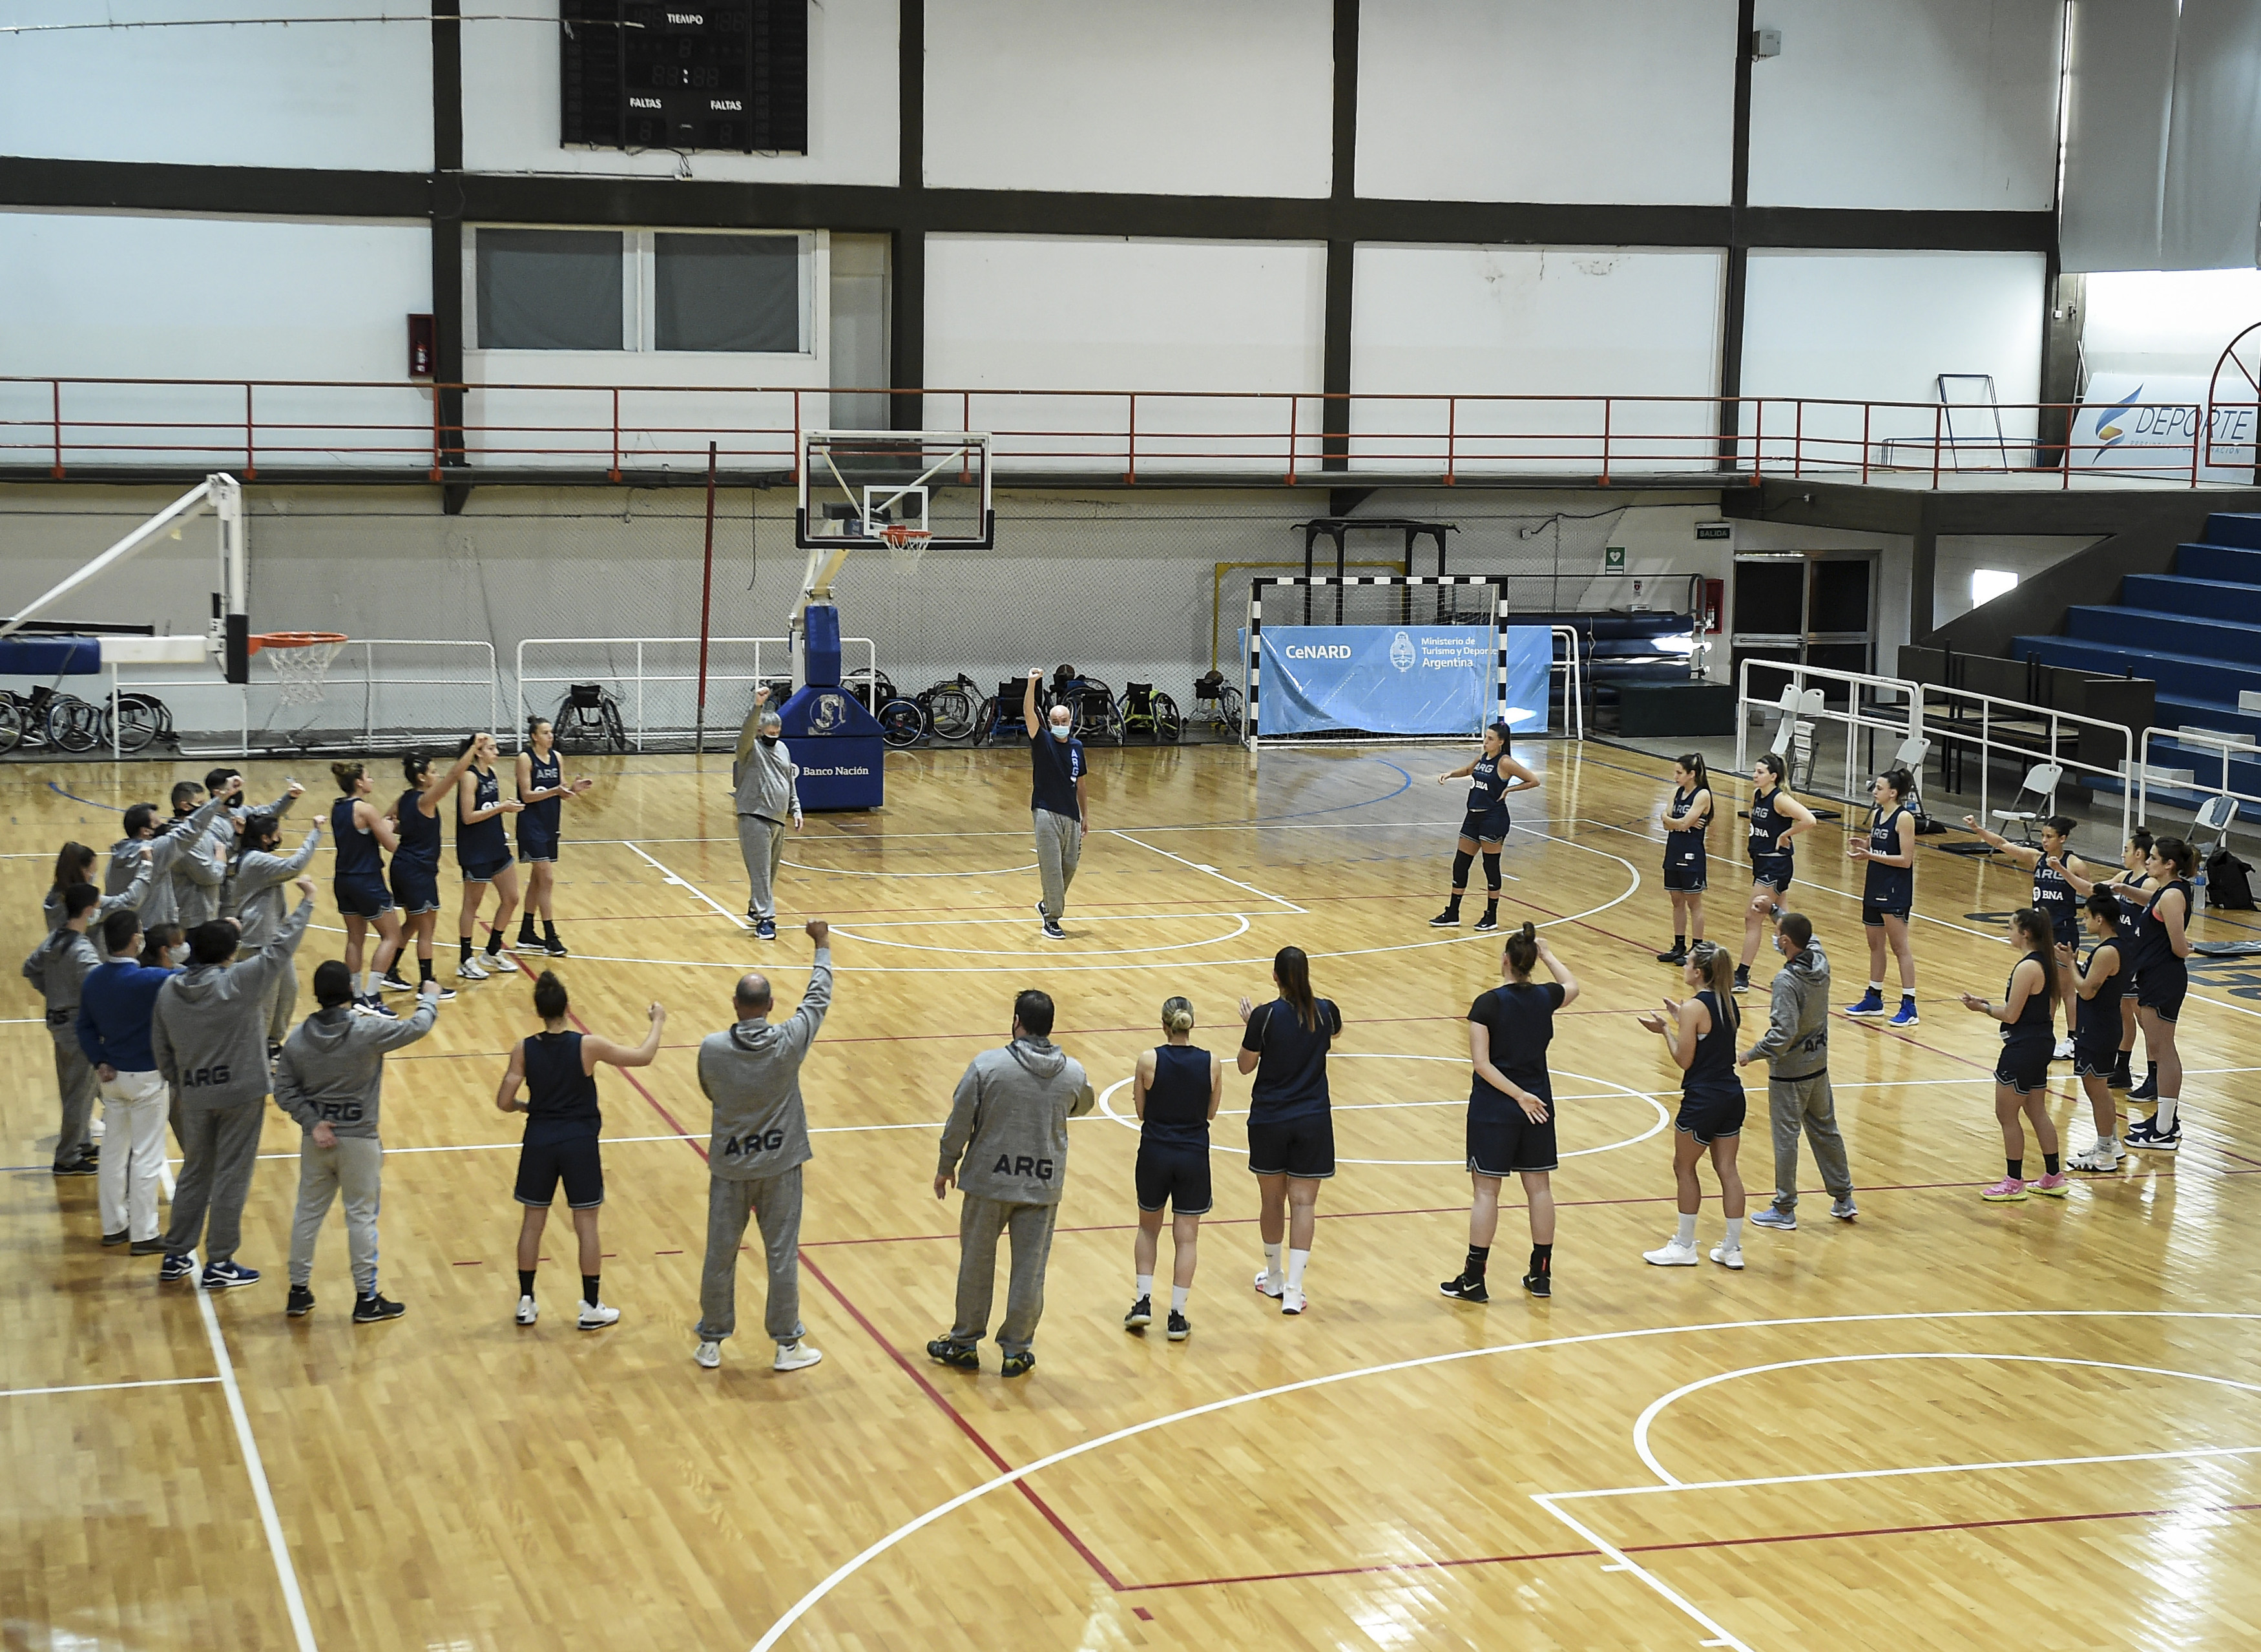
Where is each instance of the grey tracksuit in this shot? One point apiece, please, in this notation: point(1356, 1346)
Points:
point(765, 786)
point(752, 1075)
point(209, 1034)
point(185, 836)
point(58, 967)
point(136, 887)
point(1009, 1125)
point(1796, 1048)
point(256, 897)
point(332, 1072)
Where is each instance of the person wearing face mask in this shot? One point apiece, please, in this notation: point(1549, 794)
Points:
point(117, 1007)
point(1057, 805)
point(1796, 1049)
point(145, 844)
point(765, 784)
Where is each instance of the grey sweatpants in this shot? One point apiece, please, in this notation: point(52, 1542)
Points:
point(219, 1147)
point(282, 1001)
point(75, 1079)
point(774, 1202)
point(1807, 1104)
point(1059, 845)
point(979, 1221)
point(762, 841)
point(350, 1168)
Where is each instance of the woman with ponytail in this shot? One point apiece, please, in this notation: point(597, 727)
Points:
point(1176, 1088)
point(1492, 775)
point(1291, 1130)
point(1700, 1036)
point(1687, 818)
point(360, 832)
point(2028, 1013)
point(1512, 1110)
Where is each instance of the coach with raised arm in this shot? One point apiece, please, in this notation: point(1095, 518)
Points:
point(1057, 757)
point(765, 782)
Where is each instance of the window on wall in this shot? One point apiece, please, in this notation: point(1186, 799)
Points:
point(1987, 583)
point(640, 291)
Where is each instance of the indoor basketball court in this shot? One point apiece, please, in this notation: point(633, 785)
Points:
point(659, 494)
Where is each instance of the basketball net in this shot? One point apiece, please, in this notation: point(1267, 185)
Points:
point(301, 660)
point(905, 543)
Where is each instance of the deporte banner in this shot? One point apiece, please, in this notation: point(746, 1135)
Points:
point(2126, 414)
point(1398, 679)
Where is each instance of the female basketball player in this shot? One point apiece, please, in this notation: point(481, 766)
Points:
point(1889, 895)
point(74, 864)
point(1686, 819)
point(2134, 877)
point(360, 831)
point(1699, 1035)
point(1176, 1088)
point(415, 819)
point(1485, 825)
point(2162, 942)
point(542, 789)
point(1512, 1110)
point(259, 879)
point(2054, 897)
point(2028, 1014)
point(1776, 819)
point(557, 1066)
point(1291, 1132)
point(2102, 987)
point(484, 854)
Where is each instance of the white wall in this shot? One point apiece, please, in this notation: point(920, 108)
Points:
point(2027, 555)
point(1529, 100)
point(313, 95)
point(1880, 326)
point(511, 104)
point(1186, 97)
point(1521, 320)
point(1074, 313)
point(1907, 104)
point(2168, 321)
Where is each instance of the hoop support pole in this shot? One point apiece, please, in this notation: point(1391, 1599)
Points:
point(705, 605)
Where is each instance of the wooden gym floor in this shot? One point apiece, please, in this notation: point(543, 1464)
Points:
point(1947, 1422)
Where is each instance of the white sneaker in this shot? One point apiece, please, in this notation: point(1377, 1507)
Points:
point(94, 1129)
point(794, 1356)
point(1293, 1300)
point(2063, 1050)
point(503, 961)
point(2101, 1157)
point(709, 1355)
point(470, 971)
point(1270, 1284)
point(1727, 1258)
point(595, 1316)
point(1670, 1253)
point(528, 1313)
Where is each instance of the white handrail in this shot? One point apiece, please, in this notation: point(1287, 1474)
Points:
point(2223, 748)
point(1851, 717)
point(642, 678)
point(1573, 690)
point(2057, 719)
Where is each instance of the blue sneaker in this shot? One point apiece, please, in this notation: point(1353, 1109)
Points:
point(765, 929)
point(1054, 932)
point(226, 1276)
point(1771, 1217)
point(182, 1266)
point(1870, 1003)
point(1906, 1015)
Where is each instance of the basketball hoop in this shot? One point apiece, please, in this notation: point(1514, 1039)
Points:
point(301, 660)
point(905, 543)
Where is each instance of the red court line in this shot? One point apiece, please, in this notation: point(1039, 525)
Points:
point(951, 1411)
point(636, 1084)
point(1698, 1544)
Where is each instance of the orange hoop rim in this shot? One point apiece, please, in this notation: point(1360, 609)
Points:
point(294, 639)
point(901, 536)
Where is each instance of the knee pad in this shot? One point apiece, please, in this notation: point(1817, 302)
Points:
point(1461, 861)
point(1491, 870)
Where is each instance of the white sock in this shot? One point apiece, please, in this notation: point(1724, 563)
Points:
point(1146, 1287)
point(1687, 1230)
point(1178, 1295)
point(1297, 1261)
point(2167, 1104)
point(1876, 988)
point(1734, 1233)
point(368, 981)
point(1271, 1262)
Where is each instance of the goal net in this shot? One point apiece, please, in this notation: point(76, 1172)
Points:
point(1389, 656)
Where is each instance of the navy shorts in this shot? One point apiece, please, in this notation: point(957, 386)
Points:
point(361, 896)
point(484, 871)
point(2068, 932)
point(2161, 990)
point(1874, 916)
point(1773, 869)
point(1685, 877)
point(1300, 1147)
point(536, 845)
point(2024, 1065)
point(2095, 1063)
point(576, 1161)
point(415, 886)
point(1485, 825)
point(1511, 1144)
point(1711, 1115)
point(1172, 1175)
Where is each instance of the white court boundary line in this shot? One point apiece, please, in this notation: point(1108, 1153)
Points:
point(101, 1388)
point(1049, 951)
point(848, 1568)
point(1663, 1117)
point(843, 871)
point(737, 922)
point(1279, 900)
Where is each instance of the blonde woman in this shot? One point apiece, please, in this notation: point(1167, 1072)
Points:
point(1176, 1088)
point(1700, 1036)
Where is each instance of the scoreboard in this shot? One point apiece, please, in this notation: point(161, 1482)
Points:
point(728, 75)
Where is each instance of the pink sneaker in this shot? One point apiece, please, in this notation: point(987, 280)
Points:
point(2049, 1186)
point(2003, 1191)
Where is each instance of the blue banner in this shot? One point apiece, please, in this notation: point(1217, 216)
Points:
point(1398, 679)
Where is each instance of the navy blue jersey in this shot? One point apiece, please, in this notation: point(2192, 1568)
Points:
point(1711, 1071)
point(1291, 1064)
point(419, 833)
point(1684, 849)
point(358, 856)
point(2054, 899)
point(2035, 1024)
point(1520, 1018)
point(2153, 951)
point(483, 844)
point(1057, 765)
point(2099, 1032)
point(561, 1098)
point(1487, 785)
point(1769, 822)
point(542, 773)
point(1889, 887)
point(1177, 1102)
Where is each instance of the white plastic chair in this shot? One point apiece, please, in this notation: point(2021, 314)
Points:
point(2034, 799)
point(2215, 817)
point(1913, 753)
point(1793, 734)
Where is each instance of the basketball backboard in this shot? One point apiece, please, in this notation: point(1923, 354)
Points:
point(855, 482)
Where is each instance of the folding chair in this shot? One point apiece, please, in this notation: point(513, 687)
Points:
point(2215, 817)
point(2033, 800)
point(1910, 755)
point(1793, 734)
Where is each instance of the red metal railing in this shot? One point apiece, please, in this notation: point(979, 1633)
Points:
point(79, 426)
